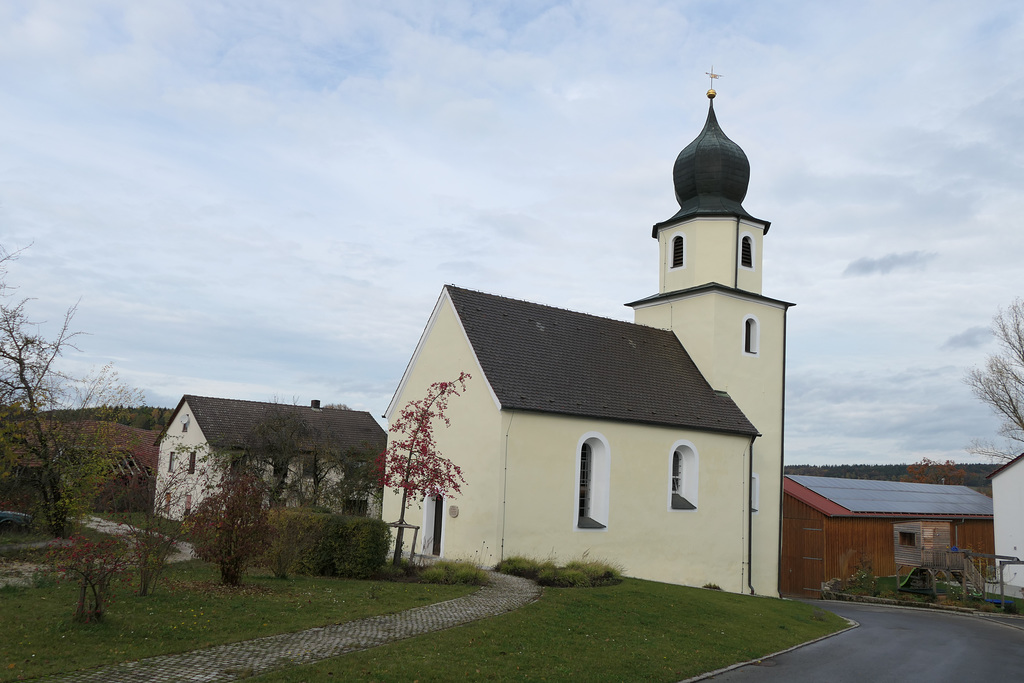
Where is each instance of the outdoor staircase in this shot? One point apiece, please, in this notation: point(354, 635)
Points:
point(971, 579)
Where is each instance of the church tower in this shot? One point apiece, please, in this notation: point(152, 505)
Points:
point(709, 295)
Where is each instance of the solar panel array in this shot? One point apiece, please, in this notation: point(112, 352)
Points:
point(898, 497)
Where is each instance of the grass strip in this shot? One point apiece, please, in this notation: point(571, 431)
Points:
point(636, 631)
point(188, 611)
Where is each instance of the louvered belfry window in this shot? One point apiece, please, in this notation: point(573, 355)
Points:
point(747, 253)
point(677, 252)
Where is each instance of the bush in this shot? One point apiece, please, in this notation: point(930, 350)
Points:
point(581, 573)
point(351, 547)
point(526, 567)
point(293, 536)
point(863, 580)
point(598, 573)
point(403, 571)
point(230, 526)
point(93, 564)
point(454, 573)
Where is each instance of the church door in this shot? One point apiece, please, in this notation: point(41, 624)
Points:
point(438, 518)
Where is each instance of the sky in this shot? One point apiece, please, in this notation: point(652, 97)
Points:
point(263, 200)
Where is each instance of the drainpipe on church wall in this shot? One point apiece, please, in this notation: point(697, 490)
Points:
point(504, 488)
point(750, 519)
point(782, 452)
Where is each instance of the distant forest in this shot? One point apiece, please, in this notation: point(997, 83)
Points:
point(975, 478)
point(143, 417)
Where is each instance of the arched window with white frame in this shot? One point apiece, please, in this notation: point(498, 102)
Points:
point(751, 335)
point(684, 476)
point(593, 470)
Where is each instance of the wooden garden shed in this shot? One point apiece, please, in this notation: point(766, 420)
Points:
point(830, 526)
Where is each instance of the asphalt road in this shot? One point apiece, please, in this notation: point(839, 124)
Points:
point(899, 645)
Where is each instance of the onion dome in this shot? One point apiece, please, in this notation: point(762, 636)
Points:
point(711, 175)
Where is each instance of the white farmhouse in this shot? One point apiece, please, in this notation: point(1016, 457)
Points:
point(201, 426)
point(1008, 507)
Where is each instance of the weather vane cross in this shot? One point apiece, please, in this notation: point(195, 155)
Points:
point(712, 75)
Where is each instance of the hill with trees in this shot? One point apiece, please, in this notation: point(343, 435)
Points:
point(974, 473)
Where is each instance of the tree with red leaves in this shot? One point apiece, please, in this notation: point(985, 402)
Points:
point(232, 526)
point(935, 472)
point(94, 564)
point(411, 462)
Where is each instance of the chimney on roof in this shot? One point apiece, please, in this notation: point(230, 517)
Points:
point(315, 405)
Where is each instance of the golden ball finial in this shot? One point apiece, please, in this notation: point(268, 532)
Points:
point(711, 94)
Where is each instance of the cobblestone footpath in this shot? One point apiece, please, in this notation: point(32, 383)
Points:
point(251, 657)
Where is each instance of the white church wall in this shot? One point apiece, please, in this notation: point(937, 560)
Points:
point(647, 538)
point(472, 443)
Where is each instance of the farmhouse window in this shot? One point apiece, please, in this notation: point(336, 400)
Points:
point(908, 538)
point(192, 462)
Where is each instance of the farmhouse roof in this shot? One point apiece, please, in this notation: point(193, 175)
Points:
point(868, 498)
point(228, 422)
point(1005, 466)
point(550, 360)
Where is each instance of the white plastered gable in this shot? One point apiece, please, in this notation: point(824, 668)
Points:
point(444, 302)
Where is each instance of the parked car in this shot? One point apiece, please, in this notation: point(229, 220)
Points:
point(14, 521)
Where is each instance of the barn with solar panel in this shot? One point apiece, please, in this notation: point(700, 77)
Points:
point(833, 526)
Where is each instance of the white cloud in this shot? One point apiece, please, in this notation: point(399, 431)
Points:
point(265, 201)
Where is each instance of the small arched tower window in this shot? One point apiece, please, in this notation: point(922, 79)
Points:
point(678, 251)
point(750, 335)
point(747, 252)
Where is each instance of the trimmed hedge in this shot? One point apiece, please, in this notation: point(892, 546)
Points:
point(351, 547)
point(321, 544)
point(295, 533)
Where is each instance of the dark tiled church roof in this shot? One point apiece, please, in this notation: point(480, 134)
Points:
point(228, 422)
point(550, 360)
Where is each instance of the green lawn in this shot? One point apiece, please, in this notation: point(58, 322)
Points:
point(188, 611)
point(638, 630)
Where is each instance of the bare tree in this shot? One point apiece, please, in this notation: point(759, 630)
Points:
point(302, 461)
point(152, 536)
point(272, 450)
point(1000, 383)
point(44, 440)
point(341, 479)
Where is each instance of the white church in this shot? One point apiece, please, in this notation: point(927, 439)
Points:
point(657, 444)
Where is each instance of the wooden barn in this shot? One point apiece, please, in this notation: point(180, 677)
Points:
point(831, 526)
